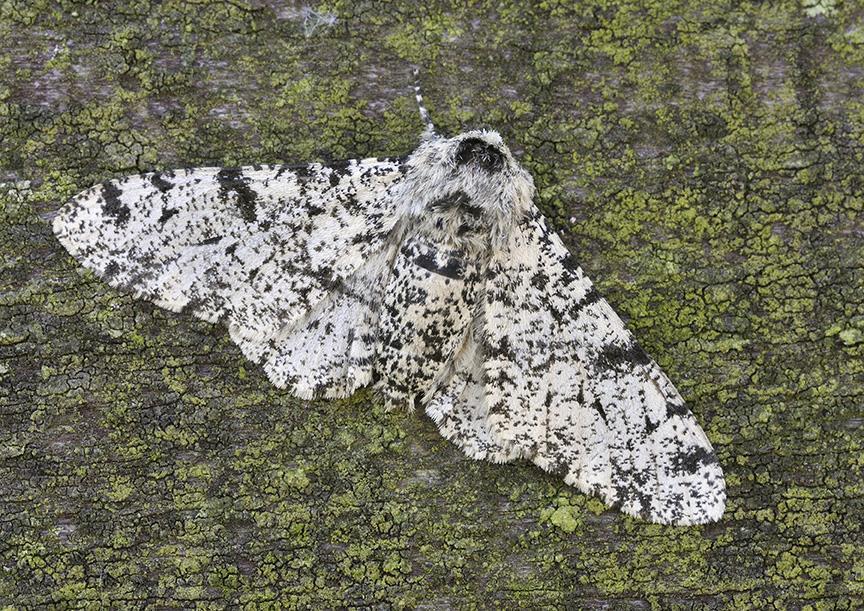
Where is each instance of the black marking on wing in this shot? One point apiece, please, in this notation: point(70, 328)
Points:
point(111, 270)
point(613, 356)
point(160, 183)
point(452, 269)
point(539, 280)
point(599, 409)
point(167, 213)
point(232, 180)
point(676, 409)
point(113, 207)
point(590, 297)
point(692, 459)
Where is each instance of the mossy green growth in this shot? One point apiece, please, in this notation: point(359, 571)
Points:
point(701, 160)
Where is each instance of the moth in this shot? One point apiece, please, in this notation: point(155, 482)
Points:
point(435, 279)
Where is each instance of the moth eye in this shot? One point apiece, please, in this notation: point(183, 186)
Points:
point(480, 152)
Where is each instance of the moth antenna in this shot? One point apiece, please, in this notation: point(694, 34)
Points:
point(429, 132)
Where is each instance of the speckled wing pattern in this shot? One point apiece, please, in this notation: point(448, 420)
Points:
point(432, 278)
point(283, 254)
point(550, 373)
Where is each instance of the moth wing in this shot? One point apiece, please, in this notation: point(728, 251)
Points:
point(551, 374)
point(458, 405)
point(271, 250)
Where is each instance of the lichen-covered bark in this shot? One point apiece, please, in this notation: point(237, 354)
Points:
point(704, 162)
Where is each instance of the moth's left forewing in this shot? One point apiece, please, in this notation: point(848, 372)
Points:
point(291, 258)
point(567, 384)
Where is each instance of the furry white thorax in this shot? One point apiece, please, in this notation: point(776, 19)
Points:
point(433, 174)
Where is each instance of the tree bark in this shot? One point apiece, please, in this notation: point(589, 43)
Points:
point(702, 161)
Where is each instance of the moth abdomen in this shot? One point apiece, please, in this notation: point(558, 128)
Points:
point(427, 308)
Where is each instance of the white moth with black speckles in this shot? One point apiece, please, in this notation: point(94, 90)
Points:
point(435, 279)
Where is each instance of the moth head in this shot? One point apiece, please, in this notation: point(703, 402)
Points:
point(474, 170)
point(484, 154)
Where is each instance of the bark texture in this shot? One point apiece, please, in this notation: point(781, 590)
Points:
point(702, 160)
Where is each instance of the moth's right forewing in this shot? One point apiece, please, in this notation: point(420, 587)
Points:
point(565, 384)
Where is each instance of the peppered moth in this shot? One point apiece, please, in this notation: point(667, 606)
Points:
point(432, 277)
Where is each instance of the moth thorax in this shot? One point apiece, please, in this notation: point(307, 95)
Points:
point(454, 220)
